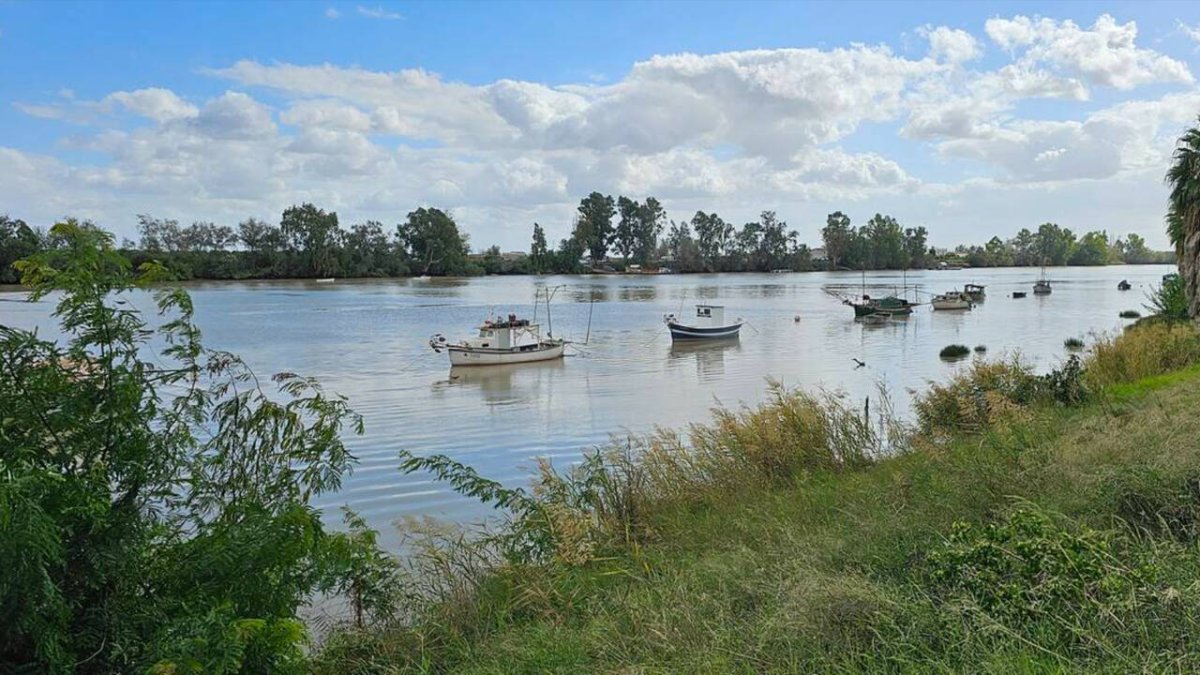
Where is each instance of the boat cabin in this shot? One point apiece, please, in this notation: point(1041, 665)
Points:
point(505, 334)
point(710, 315)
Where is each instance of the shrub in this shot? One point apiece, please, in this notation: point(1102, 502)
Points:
point(1169, 300)
point(954, 351)
point(976, 398)
point(1130, 314)
point(980, 349)
point(1029, 570)
point(1142, 351)
point(1073, 343)
point(154, 508)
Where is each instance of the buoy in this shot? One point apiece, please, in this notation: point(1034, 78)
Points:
point(796, 318)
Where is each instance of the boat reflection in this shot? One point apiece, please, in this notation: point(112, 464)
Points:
point(504, 384)
point(708, 354)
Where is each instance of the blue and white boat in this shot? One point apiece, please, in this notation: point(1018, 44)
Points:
point(708, 324)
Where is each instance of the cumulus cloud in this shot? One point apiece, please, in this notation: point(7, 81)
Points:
point(951, 45)
point(160, 105)
point(735, 130)
point(1103, 55)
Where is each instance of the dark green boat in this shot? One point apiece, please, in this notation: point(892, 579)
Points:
point(889, 306)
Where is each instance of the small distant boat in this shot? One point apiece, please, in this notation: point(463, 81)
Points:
point(1018, 294)
point(501, 342)
point(952, 300)
point(975, 292)
point(1124, 285)
point(948, 267)
point(1042, 285)
point(781, 271)
point(326, 280)
point(708, 324)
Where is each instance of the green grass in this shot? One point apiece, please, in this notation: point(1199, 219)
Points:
point(1043, 538)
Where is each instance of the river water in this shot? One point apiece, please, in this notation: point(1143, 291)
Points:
point(368, 340)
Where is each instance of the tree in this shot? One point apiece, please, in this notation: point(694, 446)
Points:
point(594, 228)
point(433, 242)
point(625, 236)
point(1135, 250)
point(712, 237)
point(838, 237)
point(651, 220)
point(17, 240)
point(156, 506)
point(915, 240)
point(263, 242)
point(997, 253)
point(1092, 249)
point(885, 242)
point(1053, 245)
point(1183, 214)
point(539, 254)
point(1024, 247)
point(314, 235)
point(682, 249)
point(367, 252)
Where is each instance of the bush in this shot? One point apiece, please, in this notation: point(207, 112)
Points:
point(1073, 343)
point(954, 351)
point(977, 398)
point(1130, 314)
point(1169, 301)
point(980, 349)
point(154, 509)
point(1143, 351)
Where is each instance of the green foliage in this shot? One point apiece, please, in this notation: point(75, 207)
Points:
point(154, 509)
point(1169, 300)
point(1028, 569)
point(433, 242)
point(1130, 314)
point(954, 351)
point(594, 229)
point(1073, 343)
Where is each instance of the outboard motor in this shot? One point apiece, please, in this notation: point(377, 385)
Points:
point(438, 342)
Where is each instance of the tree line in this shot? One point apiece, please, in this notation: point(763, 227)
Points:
point(309, 242)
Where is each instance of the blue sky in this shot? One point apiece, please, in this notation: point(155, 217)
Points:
point(970, 118)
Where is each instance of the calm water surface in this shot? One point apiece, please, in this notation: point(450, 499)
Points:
point(368, 340)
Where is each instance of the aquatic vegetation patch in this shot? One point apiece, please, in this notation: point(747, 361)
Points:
point(954, 351)
point(1073, 343)
point(1130, 314)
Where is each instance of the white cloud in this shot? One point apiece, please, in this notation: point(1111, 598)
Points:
point(1191, 32)
point(1103, 55)
point(734, 131)
point(378, 12)
point(951, 45)
point(332, 13)
point(160, 105)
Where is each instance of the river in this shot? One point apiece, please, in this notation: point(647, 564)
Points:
point(368, 340)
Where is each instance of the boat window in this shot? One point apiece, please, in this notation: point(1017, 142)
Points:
point(703, 311)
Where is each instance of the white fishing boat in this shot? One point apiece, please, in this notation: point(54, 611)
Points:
point(500, 342)
point(951, 300)
point(708, 324)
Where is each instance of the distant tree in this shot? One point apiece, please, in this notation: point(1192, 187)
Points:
point(682, 249)
point(433, 242)
point(594, 228)
point(1053, 244)
point(367, 251)
point(17, 240)
point(1135, 250)
point(885, 241)
point(263, 243)
point(625, 235)
point(713, 236)
point(314, 235)
point(915, 240)
point(1092, 249)
point(838, 237)
point(651, 220)
point(539, 253)
point(998, 253)
point(566, 258)
point(1024, 248)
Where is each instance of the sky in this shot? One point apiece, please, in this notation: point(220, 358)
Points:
point(972, 119)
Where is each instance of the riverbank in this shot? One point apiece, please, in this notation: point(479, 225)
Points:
point(1025, 523)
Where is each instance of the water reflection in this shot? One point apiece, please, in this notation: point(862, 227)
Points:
point(709, 355)
point(504, 384)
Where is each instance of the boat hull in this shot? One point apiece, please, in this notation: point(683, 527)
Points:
point(682, 332)
point(951, 305)
point(462, 356)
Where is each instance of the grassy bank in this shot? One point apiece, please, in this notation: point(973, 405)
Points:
point(1023, 523)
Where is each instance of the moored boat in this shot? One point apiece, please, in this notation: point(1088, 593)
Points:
point(975, 292)
point(708, 324)
point(501, 342)
point(889, 306)
point(1041, 287)
point(1018, 294)
point(951, 300)
point(1124, 285)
